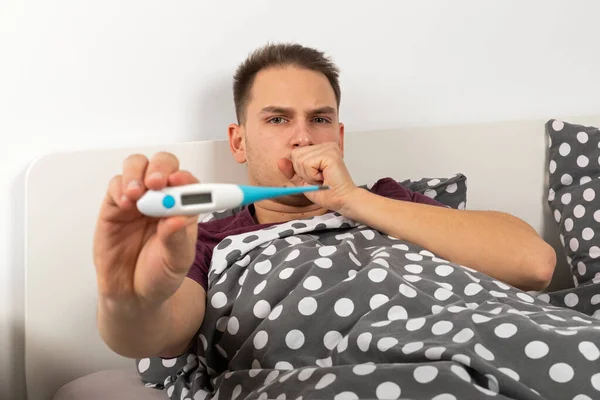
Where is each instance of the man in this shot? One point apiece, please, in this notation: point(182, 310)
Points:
point(152, 273)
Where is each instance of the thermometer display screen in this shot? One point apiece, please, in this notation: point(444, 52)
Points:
point(196, 198)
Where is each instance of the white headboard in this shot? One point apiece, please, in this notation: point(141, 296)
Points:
point(505, 164)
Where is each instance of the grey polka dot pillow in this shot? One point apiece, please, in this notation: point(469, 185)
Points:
point(574, 195)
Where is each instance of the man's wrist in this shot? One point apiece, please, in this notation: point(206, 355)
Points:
point(354, 201)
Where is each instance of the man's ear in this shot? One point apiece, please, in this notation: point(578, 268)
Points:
point(237, 142)
point(342, 138)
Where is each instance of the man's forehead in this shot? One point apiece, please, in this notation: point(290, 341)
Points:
point(277, 86)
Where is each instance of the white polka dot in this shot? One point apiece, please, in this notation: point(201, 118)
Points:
point(326, 251)
point(444, 396)
point(414, 257)
point(323, 262)
point(557, 125)
point(411, 347)
point(233, 326)
point(596, 381)
point(331, 339)
point(483, 352)
point(412, 278)
point(377, 274)
point(434, 353)
point(433, 182)
point(260, 339)
point(307, 306)
point(386, 343)
point(259, 288)
point(364, 369)
point(551, 194)
point(413, 268)
point(425, 374)
point(445, 285)
point(343, 344)
point(443, 270)
point(388, 390)
point(525, 297)
point(402, 247)
point(442, 294)
point(396, 313)
point(430, 193)
point(368, 234)
point(561, 372)
point(579, 211)
point(472, 289)
point(564, 149)
point(293, 255)
point(276, 312)
point(381, 323)
point(582, 397)
point(589, 350)
point(589, 194)
point(587, 234)
point(536, 349)
point(552, 166)
point(582, 137)
point(594, 252)
point(381, 262)
point(305, 374)
point(343, 307)
point(346, 396)
point(557, 215)
point(415, 324)
point(363, 341)
point(312, 283)
point(452, 188)
point(294, 339)
point(461, 205)
point(378, 300)
point(284, 365)
point(584, 180)
point(574, 244)
point(505, 330)
point(565, 198)
point(407, 291)
point(583, 161)
point(143, 365)
point(218, 300)
point(262, 309)
point(571, 299)
point(286, 273)
point(510, 373)
point(566, 179)
point(270, 378)
point(461, 372)
point(463, 336)
point(262, 267)
point(595, 299)
point(441, 327)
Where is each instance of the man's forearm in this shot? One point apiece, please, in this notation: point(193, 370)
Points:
point(497, 244)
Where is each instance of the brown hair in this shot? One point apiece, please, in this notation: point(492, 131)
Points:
point(280, 55)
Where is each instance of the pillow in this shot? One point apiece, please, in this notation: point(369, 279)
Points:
point(574, 195)
point(450, 191)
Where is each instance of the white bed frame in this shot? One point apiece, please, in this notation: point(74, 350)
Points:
point(505, 164)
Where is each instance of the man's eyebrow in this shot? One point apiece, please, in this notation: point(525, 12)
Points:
point(276, 110)
point(323, 110)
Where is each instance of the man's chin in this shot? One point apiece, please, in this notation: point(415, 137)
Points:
point(295, 200)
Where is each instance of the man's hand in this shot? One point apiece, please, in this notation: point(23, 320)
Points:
point(320, 164)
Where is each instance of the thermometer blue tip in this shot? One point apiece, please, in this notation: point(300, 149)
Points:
point(257, 193)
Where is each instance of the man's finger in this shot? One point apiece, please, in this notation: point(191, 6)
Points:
point(160, 167)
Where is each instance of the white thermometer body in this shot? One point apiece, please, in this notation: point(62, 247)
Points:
point(200, 198)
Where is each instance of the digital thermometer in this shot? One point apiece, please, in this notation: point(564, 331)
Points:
point(202, 198)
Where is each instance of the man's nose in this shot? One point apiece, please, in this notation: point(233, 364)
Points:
point(302, 137)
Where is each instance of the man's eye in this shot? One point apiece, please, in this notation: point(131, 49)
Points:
point(277, 120)
point(320, 120)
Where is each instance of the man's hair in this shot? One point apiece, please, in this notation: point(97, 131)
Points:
point(279, 55)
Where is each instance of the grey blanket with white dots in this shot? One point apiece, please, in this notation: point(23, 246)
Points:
point(325, 308)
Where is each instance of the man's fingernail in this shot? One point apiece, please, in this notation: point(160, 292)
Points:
point(133, 184)
point(155, 175)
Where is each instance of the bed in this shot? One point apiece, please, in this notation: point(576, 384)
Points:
point(506, 165)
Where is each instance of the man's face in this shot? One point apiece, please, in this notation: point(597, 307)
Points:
point(288, 108)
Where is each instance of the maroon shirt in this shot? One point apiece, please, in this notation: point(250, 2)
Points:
point(211, 233)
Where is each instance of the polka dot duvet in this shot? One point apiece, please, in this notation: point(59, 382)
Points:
point(325, 308)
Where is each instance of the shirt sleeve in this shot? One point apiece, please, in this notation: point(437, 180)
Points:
point(388, 187)
point(199, 270)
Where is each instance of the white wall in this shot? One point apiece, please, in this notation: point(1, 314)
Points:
point(79, 74)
